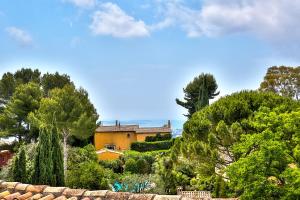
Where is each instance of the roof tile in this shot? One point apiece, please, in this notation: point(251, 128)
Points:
point(12, 196)
point(25, 196)
point(141, 197)
point(36, 196)
point(4, 194)
point(48, 197)
point(118, 195)
point(73, 192)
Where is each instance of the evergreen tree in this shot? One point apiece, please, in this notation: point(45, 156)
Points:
point(198, 92)
point(16, 171)
point(22, 166)
point(43, 160)
point(19, 167)
point(57, 159)
point(203, 99)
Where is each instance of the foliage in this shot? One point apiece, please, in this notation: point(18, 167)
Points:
point(210, 135)
point(43, 165)
point(151, 146)
point(131, 166)
point(70, 112)
point(14, 119)
point(57, 159)
point(79, 155)
point(115, 165)
point(88, 175)
point(198, 92)
point(282, 80)
point(9, 82)
point(84, 170)
point(268, 163)
point(52, 81)
point(158, 137)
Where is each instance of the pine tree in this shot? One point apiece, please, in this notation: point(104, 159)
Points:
point(43, 160)
point(203, 99)
point(57, 159)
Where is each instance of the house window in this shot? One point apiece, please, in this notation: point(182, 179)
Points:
point(128, 135)
point(110, 146)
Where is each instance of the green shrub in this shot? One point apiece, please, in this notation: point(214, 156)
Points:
point(143, 166)
point(89, 175)
point(152, 146)
point(115, 165)
point(158, 137)
point(131, 166)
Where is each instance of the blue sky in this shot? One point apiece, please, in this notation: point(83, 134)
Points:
point(135, 56)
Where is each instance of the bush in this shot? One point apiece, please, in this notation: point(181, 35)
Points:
point(89, 175)
point(115, 165)
point(143, 166)
point(158, 137)
point(152, 146)
point(131, 166)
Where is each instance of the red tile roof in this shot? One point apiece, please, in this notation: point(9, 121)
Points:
point(20, 191)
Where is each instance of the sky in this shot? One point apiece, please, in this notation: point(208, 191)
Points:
point(134, 57)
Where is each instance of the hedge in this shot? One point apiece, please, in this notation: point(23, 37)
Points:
point(152, 146)
point(158, 137)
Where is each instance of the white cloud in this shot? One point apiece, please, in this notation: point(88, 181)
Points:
point(83, 3)
point(112, 20)
point(274, 20)
point(19, 35)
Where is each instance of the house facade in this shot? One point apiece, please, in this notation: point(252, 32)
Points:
point(110, 141)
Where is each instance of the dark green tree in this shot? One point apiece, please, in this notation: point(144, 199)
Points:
point(51, 81)
point(198, 92)
point(7, 87)
point(57, 159)
point(71, 112)
point(43, 166)
point(19, 167)
point(14, 119)
point(26, 75)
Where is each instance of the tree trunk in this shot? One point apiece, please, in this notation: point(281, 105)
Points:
point(65, 136)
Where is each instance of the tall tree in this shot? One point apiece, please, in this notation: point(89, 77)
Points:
point(7, 87)
point(71, 112)
point(57, 159)
point(43, 165)
point(26, 75)
point(198, 92)
point(19, 167)
point(14, 121)
point(282, 80)
point(51, 81)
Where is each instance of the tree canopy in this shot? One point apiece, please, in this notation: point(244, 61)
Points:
point(282, 80)
point(198, 92)
point(214, 137)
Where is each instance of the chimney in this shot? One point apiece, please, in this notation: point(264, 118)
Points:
point(116, 122)
point(119, 124)
point(169, 123)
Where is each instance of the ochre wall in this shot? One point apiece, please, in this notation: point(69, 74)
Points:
point(108, 156)
point(120, 139)
point(141, 137)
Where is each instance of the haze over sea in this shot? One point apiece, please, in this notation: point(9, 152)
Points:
point(176, 125)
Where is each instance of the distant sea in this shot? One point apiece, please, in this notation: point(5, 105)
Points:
point(176, 125)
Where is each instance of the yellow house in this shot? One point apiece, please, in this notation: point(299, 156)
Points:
point(110, 141)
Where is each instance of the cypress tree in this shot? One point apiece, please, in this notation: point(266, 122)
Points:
point(19, 167)
point(43, 160)
point(57, 159)
point(22, 166)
